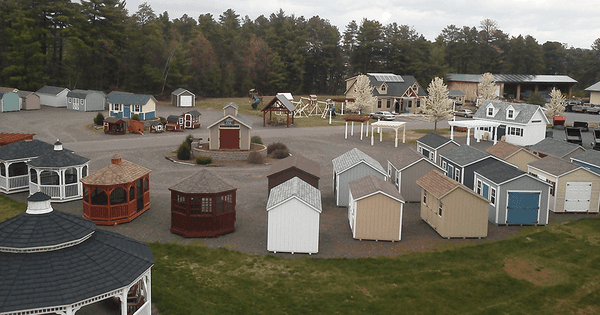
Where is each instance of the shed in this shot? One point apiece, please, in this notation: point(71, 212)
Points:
point(57, 263)
point(293, 213)
point(191, 119)
point(281, 106)
point(126, 105)
point(174, 123)
point(117, 193)
point(156, 126)
point(460, 163)
point(229, 132)
point(560, 149)
point(404, 167)
point(451, 208)
point(183, 98)
point(29, 100)
point(375, 209)
point(14, 174)
point(115, 126)
point(513, 154)
point(457, 96)
point(53, 96)
point(589, 159)
point(9, 102)
point(86, 100)
point(294, 166)
point(574, 187)
point(349, 166)
point(515, 197)
point(230, 109)
point(135, 126)
point(432, 144)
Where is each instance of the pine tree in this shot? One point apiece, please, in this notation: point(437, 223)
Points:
point(364, 101)
point(437, 105)
point(486, 88)
point(556, 107)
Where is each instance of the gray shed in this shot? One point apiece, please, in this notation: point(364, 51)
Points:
point(349, 166)
point(515, 197)
point(459, 163)
point(404, 167)
point(183, 98)
point(432, 144)
point(557, 148)
point(53, 96)
point(86, 100)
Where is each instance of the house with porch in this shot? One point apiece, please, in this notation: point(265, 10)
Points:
point(126, 105)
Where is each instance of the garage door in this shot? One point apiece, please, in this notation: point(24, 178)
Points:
point(229, 138)
point(523, 207)
point(577, 196)
point(186, 100)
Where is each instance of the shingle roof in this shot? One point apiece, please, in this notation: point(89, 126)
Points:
point(129, 99)
point(440, 185)
point(202, 182)
point(297, 161)
point(52, 90)
point(114, 174)
point(58, 158)
point(180, 90)
point(298, 188)
point(282, 100)
point(456, 93)
point(591, 157)
point(433, 140)
point(512, 78)
point(83, 93)
point(554, 147)
point(464, 155)
point(553, 165)
point(172, 118)
point(8, 138)
point(194, 113)
point(231, 104)
point(396, 88)
point(371, 184)
point(405, 156)
point(524, 112)
point(503, 149)
point(24, 149)
point(113, 119)
point(352, 157)
point(239, 118)
point(499, 172)
point(594, 87)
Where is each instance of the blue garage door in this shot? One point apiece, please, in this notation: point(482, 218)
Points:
point(523, 207)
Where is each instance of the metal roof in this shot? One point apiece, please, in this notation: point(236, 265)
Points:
point(512, 78)
point(353, 157)
point(298, 188)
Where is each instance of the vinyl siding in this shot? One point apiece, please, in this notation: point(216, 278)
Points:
point(358, 171)
point(577, 176)
point(293, 227)
point(408, 189)
point(521, 159)
point(378, 218)
point(524, 183)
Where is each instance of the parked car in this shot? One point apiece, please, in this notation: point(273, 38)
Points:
point(464, 113)
point(593, 109)
point(383, 115)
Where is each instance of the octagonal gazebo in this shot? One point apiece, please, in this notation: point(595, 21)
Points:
point(202, 205)
point(117, 193)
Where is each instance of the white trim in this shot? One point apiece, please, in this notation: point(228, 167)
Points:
point(362, 161)
point(45, 248)
point(376, 192)
point(525, 191)
point(290, 198)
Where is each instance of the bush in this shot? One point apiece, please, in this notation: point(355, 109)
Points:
point(99, 120)
point(256, 158)
point(281, 153)
point(276, 146)
point(135, 117)
point(183, 153)
point(163, 120)
point(203, 160)
point(256, 139)
point(189, 140)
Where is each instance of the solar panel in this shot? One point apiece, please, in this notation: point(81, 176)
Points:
point(386, 77)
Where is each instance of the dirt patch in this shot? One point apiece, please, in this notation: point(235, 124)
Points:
point(524, 270)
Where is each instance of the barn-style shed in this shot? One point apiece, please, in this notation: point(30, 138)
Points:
point(53, 96)
point(183, 98)
point(229, 132)
point(404, 167)
point(516, 198)
point(574, 187)
point(58, 263)
point(375, 209)
point(9, 102)
point(432, 144)
point(117, 193)
point(293, 214)
point(86, 100)
point(513, 154)
point(115, 126)
point(14, 174)
point(294, 166)
point(349, 166)
point(451, 208)
point(203, 205)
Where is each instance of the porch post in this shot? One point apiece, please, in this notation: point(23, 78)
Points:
point(124, 301)
point(404, 134)
point(396, 140)
point(380, 134)
point(451, 132)
point(361, 129)
point(352, 130)
point(367, 128)
point(149, 287)
point(468, 135)
point(62, 184)
point(495, 134)
point(346, 131)
point(371, 134)
point(476, 139)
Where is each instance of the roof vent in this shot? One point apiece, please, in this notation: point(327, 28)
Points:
point(116, 159)
point(58, 146)
point(39, 203)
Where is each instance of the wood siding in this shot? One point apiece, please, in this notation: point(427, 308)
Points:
point(378, 217)
point(359, 171)
point(293, 227)
point(521, 159)
point(579, 175)
point(408, 189)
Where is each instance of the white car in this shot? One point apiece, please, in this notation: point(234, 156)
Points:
point(383, 115)
point(464, 113)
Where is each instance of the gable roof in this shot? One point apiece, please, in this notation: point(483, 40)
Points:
point(51, 90)
point(434, 140)
point(231, 104)
point(504, 150)
point(129, 99)
point(512, 78)
point(369, 185)
point(594, 87)
point(202, 182)
point(300, 162)
point(406, 156)
point(396, 88)
point(554, 166)
point(555, 147)
point(116, 173)
point(524, 112)
point(439, 185)
point(180, 91)
point(353, 157)
point(465, 155)
point(298, 188)
point(172, 118)
point(282, 100)
point(499, 172)
point(591, 157)
point(238, 118)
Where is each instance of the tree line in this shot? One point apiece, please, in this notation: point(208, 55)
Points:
point(97, 44)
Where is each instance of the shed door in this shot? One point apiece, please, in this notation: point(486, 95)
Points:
point(229, 138)
point(523, 207)
point(577, 196)
point(425, 152)
point(485, 191)
point(450, 171)
point(186, 100)
point(188, 121)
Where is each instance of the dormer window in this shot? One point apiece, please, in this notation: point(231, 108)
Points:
point(490, 111)
point(510, 114)
point(383, 88)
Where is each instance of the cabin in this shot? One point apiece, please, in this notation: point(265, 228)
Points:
point(230, 109)
point(174, 123)
point(589, 159)
point(86, 100)
point(452, 209)
point(229, 132)
point(375, 209)
point(294, 166)
point(9, 102)
point(404, 167)
point(117, 193)
point(127, 105)
point(349, 166)
point(432, 144)
point(115, 126)
point(14, 173)
point(560, 149)
point(519, 123)
point(459, 163)
point(183, 98)
point(191, 119)
point(57, 173)
point(203, 205)
point(515, 197)
point(574, 187)
point(64, 263)
point(513, 154)
point(293, 213)
point(53, 96)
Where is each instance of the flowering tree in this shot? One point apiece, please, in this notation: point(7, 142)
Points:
point(437, 105)
point(486, 88)
point(556, 106)
point(364, 101)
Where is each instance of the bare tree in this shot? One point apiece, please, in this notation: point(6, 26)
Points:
point(364, 101)
point(437, 105)
point(556, 107)
point(486, 88)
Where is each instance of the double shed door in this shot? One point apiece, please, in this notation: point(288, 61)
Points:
point(578, 196)
point(229, 138)
point(523, 207)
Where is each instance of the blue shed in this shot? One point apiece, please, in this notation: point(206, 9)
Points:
point(460, 162)
point(9, 102)
point(588, 159)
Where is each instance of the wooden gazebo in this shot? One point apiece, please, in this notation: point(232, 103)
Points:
point(281, 105)
point(115, 126)
point(202, 205)
point(117, 193)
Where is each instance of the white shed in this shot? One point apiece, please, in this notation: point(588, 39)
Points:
point(53, 96)
point(294, 210)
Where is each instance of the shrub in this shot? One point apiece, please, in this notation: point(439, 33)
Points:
point(183, 153)
point(256, 158)
point(189, 139)
point(163, 120)
point(135, 117)
point(256, 139)
point(281, 153)
point(275, 146)
point(99, 120)
point(203, 160)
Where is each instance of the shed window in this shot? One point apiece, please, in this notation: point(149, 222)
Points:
point(551, 187)
point(196, 205)
point(431, 156)
point(457, 175)
point(478, 187)
point(206, 205)
point(440, 209)
point(493, 196)
point(70, 100)
point(425, 196)
point(444, 165)
point(181, 199)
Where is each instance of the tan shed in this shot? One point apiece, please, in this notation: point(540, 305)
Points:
point(230, 132)
point(375, 209)
point(513, 154)
point(451, 208)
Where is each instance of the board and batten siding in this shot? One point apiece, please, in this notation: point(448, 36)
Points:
point(579, 175)
point(358, 171)
point(293, 227)
point(378, 217)
point(407, 187)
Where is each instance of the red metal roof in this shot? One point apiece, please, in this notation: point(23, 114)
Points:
point(8, 138)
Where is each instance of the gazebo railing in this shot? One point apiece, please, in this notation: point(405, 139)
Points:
point(17, 181)
point(52, 191)
point(57, 191)
point(3, 182)
point(106, 212)
point(71, 190)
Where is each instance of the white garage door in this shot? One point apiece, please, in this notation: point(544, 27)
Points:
point(186, 100)
point(577, 196)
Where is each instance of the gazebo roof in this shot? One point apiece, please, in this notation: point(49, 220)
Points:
point(58, 158)
point(24, 149)
point(118, 172)
point(202, 182)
